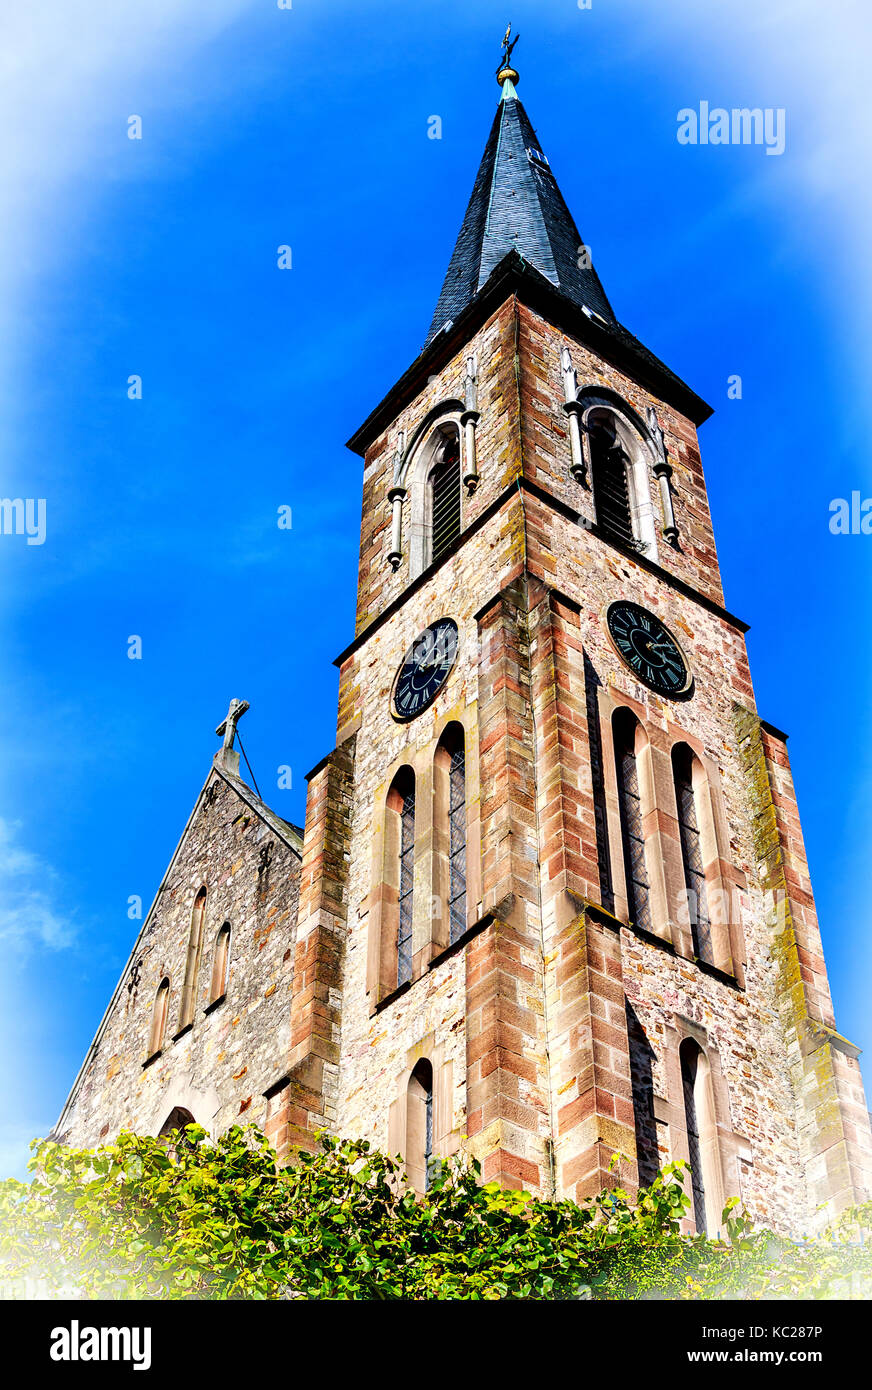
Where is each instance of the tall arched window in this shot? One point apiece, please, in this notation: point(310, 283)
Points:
point(192, 964)
point(621, 454)
point(687, 775)
point(626, 738)
point(159, 1017)
point(220, 964)
point(449, 825)
point(419, 1125)
point(390, 960)
point(457, 840)
point(692, 1080)
point(445, 493)
point(400, 872)
point(609, 463)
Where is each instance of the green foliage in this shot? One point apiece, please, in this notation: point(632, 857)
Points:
point(194, 1218)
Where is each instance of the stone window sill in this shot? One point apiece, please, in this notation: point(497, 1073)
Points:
point(462, 940)
point(441, 956)
point(393, 994)
point(714, 971)
point(213, 1004)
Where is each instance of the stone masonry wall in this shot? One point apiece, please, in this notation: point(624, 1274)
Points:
point(833, 1133)
point(497, 444)
point(219, 1068)
point(664, 988)
point(545, 446)
point(554, 1024)
point(738, 1016)
point(597, 1058)
point(380, 1044)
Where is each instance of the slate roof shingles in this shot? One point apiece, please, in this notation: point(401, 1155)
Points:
point(516, 205)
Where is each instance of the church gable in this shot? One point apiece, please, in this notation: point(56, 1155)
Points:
point(197, 1022)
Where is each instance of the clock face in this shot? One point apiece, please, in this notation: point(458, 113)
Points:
point(425, 669)
point(649, 649)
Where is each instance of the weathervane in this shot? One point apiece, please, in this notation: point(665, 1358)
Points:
point(505, 71)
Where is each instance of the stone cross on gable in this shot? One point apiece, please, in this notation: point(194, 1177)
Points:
point(227, 754)
point(227, 727)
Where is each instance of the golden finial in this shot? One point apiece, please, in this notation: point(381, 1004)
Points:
point(505, 71)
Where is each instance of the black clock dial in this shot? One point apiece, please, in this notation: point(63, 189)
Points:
point(649, 649)
point(425, 669)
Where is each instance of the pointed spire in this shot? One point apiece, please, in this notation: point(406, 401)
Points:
point(517, 231)
point(517, 205)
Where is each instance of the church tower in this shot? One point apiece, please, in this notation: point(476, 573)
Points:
point(554, 900)
point(551, 902)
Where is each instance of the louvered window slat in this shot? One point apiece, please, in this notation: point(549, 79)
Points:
point(610, 487)
point(445, 485)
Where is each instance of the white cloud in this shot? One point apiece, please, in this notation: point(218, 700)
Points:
point(28, 917)
point(811, 59)
point(67, 68)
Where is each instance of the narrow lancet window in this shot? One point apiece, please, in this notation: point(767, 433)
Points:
point(632, 835)
point(192, 964)
point(691, 851)
point(690, 1077)
point(419, 1125)
point(456, 838)
point(159, 1018)
point(604, 858)
point(406, 892)
point(220, 964)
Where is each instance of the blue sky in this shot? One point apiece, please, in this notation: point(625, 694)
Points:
point(308, 127)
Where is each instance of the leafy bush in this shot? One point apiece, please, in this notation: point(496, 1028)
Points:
point(141, 1218)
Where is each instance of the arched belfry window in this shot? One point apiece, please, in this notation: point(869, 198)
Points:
point(419, 1125)
point(611, 488)
point(689, 776)
point(431, 471)
point(692, 1084)
point(159, 1017)
point(627, 739)
point(449, 825)
point(192, 963)
point(621, 454)
point(444, 484)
